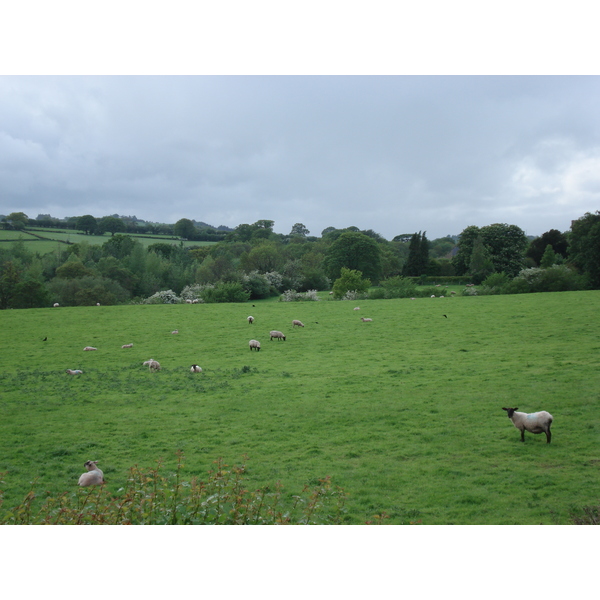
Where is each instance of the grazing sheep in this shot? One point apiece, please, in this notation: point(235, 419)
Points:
point(188, 301)
point(153, 365)
point(254, 344)
point(127, 346)
point(250, 320)
point(89, 348)
point(538, 422)
point(195, 301)
point(74, 372)
point(94, 475)
point(296, 323)
point(277, 335)
point(365, 320)
point(195, 369)
point(56, 304)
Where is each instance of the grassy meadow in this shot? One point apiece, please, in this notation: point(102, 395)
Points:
point(404, 413)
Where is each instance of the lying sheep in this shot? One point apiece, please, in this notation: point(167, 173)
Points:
point(127, 346)
point(89, 348)
point(195, 369)
point(175, 331)
point(538, 422)
point(357, 308)
point(153, 365)
point(296, 323)
point(277, 335)
point(94, 476)
point(250, 320)
point(254, 344)
point(365, 320)
point(74, 372)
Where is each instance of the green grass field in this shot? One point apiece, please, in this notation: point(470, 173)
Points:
point(404, 413)
point(52, 239)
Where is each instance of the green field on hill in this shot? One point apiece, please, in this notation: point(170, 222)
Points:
point(404, 412)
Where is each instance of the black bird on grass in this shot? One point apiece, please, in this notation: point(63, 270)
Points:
point(45, 339)
point(445, 316)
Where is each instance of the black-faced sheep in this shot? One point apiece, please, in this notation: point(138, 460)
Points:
point(254, 345)
point(250, 320)
point(296, 323)
point(127, 346)
point(195, 369)
point(94, 475)
point(538, 422)
point(277, 335)
point(365, 320)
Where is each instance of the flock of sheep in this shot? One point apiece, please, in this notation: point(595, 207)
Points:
point(538, 422)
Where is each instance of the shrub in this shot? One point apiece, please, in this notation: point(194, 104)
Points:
point(350, 280)
point(558, 278)
point(294, 296)
point(399, 287)
point(257, 285)
point(164, 297)
point(377, 293)
point(226, 292)
point(151, 498)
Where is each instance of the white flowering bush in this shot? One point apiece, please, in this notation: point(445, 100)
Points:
point(294, 296)
point(275, 279)
point(354, 295)
point(163, 297)
point(194, 291)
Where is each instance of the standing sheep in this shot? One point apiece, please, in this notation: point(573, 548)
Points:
point(153, 365)
point(277, 335)
point(538, 422)
point(254, 345)
point(296, 323)
point(94, 476)
point(250, 320)
point(195, 369)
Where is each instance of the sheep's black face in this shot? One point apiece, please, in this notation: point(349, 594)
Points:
point(89, 465)
point(510, 411)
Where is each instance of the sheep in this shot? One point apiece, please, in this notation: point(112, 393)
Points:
point(94, 475)
point(365, 320)
point(175, 331)
point(56, 304)
point(195, 369)
point(74, 371)
point(357, 308)
point(277, 335)
point(97, 303)
point(250, 320)
point(127, 346)
point(89, 348)
point(296, 323)
point(533, 422)
point(153, 365)
point(195, 301)
point(254, 344)
point(188, 301)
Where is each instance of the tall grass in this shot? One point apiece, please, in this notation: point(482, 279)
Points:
point(403, 413)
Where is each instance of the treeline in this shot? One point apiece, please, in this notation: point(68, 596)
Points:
point(254, 262)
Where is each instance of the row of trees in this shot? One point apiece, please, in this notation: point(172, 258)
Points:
point(265, 263)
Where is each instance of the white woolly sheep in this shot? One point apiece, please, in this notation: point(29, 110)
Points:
point(250, 320)
point(195, 301)
point(277, 335)
point(74, 372)
point(153, 365)
point(127, 346)
point(365, 320)
point(175, 331)
point(357, 308)
point(538, 422)
point(56, 304)
point(188, 301)
point(296, 323)
point(254, 345)
point(97, 303)
point(94, 475)
point(195, 369)
point(89, 348)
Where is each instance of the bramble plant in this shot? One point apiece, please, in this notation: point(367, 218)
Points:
point(151, 498)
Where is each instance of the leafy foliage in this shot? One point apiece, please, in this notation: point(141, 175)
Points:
point(350, 280)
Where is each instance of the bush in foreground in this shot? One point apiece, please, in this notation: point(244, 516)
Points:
point(151, 498)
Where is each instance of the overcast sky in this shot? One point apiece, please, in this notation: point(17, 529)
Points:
point(395, 154)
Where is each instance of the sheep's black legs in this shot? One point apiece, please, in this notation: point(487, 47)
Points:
point(523, 435)
point(548, 436)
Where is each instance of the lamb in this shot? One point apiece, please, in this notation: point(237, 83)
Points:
point(277, 335)
point(94, 476)
point(74, 372)
point(254, 344)
point(153, 365)
point(127, 346)
point(296, 323)
point(89, 348)
point(195, 369)
point(250, 320)
point(365, 320)
point(533, 422)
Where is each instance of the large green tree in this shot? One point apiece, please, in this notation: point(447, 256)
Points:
point(355, 251)
point(418, 256)
point(112, 224)
point(555, 238)
point(87, 223)
point(584, 247)
point(185, 228)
